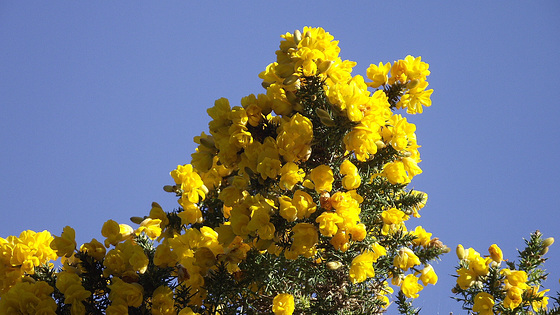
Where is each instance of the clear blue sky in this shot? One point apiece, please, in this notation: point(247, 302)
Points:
point(100, 100)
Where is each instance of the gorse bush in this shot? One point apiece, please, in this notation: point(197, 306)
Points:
point(295, 202)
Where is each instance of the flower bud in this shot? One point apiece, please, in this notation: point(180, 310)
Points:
point(322, 113)
point(380, 144)
point(297, 36)
point(324, 66)
point(327, 122)
point(549, 241)
point(284, 70)
point(137, 220)
point(307, 34)
point(460, 252)
point(169, 188)
point(208, 142)
point(325, 200)
point(290, 80)
point(334, 265)
point(412, 84)
point(543, 251)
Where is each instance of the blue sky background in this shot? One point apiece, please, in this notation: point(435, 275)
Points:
point(99, 101)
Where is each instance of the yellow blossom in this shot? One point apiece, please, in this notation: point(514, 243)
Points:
point(428, 275)
point(378, 74)
point(94, 249)
point(483, 303)
point(466, 278)
point(513, 297)
point(66, 243)
point(322, 177)
point(328, 223)
point(352, 179)
point(361, 267)
point(290, 174)
point(496, 253)
point(151, 227)
point(283, 304)
point(405, 259)
point(410, 286)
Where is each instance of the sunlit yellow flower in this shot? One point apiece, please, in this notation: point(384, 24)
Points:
point(322, 177)
point(422, 237)
point(496, 253)
point(328, 223)
point(283, 304)
point(378, 74)
point(405, 259)
point(352, 179)
point(466, 278)
point(516, 278)
point(290, 174)
point(513, 297)
point(149, 226)
point(361, 267)
point(483, 303)
point(410, 286)
point(66, 243)
point(94, 249)
point(428, 275)
point(129, 293)
point(540, 301)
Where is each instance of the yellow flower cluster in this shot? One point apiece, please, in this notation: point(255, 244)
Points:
point(283, 174)
point(20, 255)
point(269, 139)
point(512, 285)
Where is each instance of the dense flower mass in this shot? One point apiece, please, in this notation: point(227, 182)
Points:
point(490, 288)
point(294, 202)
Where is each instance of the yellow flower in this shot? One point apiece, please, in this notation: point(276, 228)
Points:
point(112, 233)
point(190, 183)
point(352, 180)
point(328, 223)
point(304, 204)
point(396, 173)
point(496, 253)
point(305, 237)
point(290, 174)
point(283, 304)
point(163, 256)
point(378, 74)
point(483, 303)
point(405, 259)
point(540, 301)
point(466, 278)
point(151, 227)
point(410, 286)
point(322, 177)
point(294, 138)
point(428, 275)
point(513, 297)
point(66, 243)
point(393, 220)
point(70, 285)
point(94, 249)
point(28, 298)
point(361, 267)
point(422, 237)
point(516, 278)
point(130, 293)
point(162, 301)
